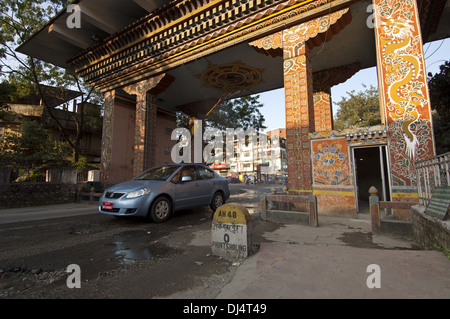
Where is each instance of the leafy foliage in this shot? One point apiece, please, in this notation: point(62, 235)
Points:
point(33, 149)
point(439, 86)
point(360, 109)
point(237, 113)
point(19, 20)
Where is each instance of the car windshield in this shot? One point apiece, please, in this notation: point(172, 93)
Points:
point(160, 173)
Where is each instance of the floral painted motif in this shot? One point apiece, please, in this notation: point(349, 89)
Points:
point(330, 162)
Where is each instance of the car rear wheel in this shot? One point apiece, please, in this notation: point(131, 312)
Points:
point(161, 209)
point(217, 201)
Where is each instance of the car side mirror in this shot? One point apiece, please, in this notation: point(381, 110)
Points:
point(186, 178)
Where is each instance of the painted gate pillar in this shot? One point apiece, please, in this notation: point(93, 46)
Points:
point(145, 137)
point(299, 110)
point(298, 86)
point(404, 98)
point(118, 129)
point(299, 101)
point(145, 126)
point(108, 113)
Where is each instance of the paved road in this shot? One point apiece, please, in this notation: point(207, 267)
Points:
point(129, 258)
point(26, 214)
point(118, 258)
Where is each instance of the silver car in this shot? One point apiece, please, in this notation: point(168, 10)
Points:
point(162, 190)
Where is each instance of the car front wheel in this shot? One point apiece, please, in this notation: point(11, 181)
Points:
point(217, 201)
point(161, 209)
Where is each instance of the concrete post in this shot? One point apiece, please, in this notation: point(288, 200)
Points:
point(313, 214)
point(374, 204)
point(263, 207)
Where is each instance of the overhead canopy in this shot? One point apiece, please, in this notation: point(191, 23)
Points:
point(56, 43)
point(115, 33)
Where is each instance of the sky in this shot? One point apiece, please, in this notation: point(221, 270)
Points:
point(436, 53)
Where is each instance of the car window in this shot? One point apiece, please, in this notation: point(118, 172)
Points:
point(186, 171)
point(160, 173)
point(204, 173)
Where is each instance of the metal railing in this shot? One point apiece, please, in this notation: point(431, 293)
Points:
point(431, 173)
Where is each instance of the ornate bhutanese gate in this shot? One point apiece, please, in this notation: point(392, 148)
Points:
point(189, 54)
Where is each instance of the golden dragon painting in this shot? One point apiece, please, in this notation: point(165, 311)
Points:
point(403, 65)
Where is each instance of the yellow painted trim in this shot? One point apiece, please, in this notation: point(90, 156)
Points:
point(199, 45)
point(301, 190)
point(324, 192)
point(340, 193)
point(405, 195)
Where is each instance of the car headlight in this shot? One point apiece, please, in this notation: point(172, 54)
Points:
point(140, 192)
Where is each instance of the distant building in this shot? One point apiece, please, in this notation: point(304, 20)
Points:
point(30, 108)
point(265, 161)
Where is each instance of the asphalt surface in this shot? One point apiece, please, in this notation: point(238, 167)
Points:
point(334, 260)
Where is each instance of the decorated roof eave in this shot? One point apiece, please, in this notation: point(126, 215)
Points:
point(106, 74)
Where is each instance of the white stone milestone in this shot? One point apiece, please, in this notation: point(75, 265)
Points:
point(231, 232)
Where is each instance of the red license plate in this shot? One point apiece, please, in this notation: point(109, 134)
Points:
point(107, 206)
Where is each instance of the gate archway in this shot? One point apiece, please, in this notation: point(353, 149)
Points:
point(153, 58)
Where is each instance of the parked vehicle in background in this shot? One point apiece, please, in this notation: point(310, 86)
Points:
point(160, 191)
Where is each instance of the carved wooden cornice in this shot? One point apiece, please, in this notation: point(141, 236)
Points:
point(144, 86)
point(315, 31)
point(184, 30)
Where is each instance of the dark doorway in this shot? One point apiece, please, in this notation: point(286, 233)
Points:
point(370, 170)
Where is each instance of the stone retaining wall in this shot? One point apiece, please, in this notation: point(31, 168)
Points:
point(430, 232)
point(34, 194)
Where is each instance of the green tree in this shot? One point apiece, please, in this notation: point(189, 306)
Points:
point(32, 150)
point(19, 20)
point(6, 90)
point(439, 87)
point(237, 113)
point(360, 109)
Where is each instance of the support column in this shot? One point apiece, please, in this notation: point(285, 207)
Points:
point(118, 130)
point(145, 124)
point(145, 135)
point(108, 118)
point(298, 88)
point(299, 114)
point(404, 98)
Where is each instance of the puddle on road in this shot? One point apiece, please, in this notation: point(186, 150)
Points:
point(129, 248)
point(125, 253)
point(359, 239)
